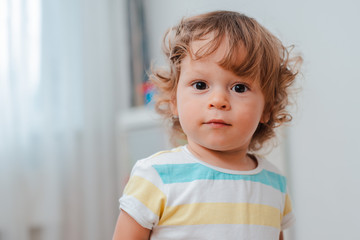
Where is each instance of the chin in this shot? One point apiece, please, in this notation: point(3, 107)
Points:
point(220, 147)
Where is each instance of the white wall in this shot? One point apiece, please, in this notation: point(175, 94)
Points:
point(324, 149)
point(325, 145)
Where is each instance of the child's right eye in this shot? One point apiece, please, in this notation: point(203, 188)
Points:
point(200, 85)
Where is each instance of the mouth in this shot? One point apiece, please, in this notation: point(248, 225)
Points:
point(217, 123)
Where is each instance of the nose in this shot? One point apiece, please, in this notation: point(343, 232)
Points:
point(219, 100)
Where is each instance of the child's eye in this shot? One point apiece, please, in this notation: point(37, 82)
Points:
point(200, 85)
point(240, 88)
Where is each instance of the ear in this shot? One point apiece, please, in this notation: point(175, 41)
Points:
point(173, 107)
point(265, 117)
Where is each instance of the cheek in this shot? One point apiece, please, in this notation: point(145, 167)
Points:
point(184, 110)
point(258, 106)
point(188, 107)
point(182, 103)
point(253, 114)
point(187, 113)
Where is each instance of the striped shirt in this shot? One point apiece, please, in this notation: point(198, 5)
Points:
point(180, 197)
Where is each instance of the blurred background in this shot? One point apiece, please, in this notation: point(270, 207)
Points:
point(75, 110)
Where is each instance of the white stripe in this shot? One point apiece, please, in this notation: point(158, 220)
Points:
point(138, 211)
point(223, 191)
point(215, 232)
point(288, 221)
point(144, 169)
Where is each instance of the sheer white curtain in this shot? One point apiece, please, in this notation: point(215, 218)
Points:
point(61, 67)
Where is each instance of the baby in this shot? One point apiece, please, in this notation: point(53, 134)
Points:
point(225, 91)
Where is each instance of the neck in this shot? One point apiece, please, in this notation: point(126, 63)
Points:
point(236, 159)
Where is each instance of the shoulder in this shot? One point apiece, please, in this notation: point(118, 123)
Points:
point(148, 167)
point(274, 176)
point(171, 156)
point(145, 194)
point(269, 166)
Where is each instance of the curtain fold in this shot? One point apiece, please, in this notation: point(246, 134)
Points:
point(59, 98)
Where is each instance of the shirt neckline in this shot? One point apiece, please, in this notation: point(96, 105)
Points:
point(225, 170)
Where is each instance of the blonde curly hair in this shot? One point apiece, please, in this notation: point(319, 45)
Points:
point(267, 60)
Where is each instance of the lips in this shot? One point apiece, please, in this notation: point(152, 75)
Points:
point(217, 123)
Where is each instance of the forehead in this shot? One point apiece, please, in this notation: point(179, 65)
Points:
point(199, 62)
point(218, 50)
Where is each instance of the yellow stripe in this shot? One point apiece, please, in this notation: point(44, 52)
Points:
point(288, 205)
point(147, 193)
point(166, 151)
point(221, 213)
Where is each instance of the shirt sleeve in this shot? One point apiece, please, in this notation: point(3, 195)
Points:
point(144, 198)
point(288, 217)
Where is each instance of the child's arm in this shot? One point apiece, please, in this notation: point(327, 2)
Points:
point(128, 229)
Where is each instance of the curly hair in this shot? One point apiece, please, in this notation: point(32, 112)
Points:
point(267, 60)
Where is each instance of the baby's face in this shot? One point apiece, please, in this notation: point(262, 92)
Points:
point(217, 109)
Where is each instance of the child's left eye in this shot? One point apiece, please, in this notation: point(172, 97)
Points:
point(240, 88)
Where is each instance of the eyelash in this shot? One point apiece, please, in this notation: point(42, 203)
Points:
point(199, 82)
point(246, 88)
point(205, 86)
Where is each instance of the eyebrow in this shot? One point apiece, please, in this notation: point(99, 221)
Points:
point(195, 71)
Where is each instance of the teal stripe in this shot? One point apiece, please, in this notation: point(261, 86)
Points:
point(181, 173)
